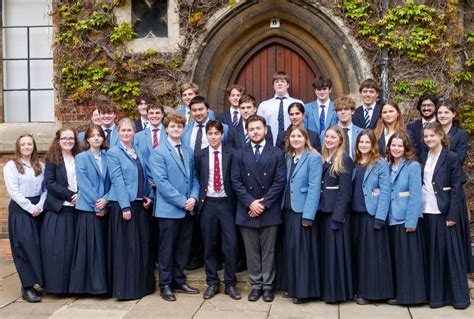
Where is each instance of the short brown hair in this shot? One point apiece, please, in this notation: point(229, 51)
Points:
point(247, 98)
point(105, 108)
point(174, 117)
point(280, 75)
point(187, 86)
point(345, 102)
point(322, 82)
point(369, 84)
point(255, 118)
point(155, 106)
point(237, 87)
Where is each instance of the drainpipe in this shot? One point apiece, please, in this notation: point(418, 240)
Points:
point(383, 63)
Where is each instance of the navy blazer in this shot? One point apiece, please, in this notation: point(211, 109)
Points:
point(459, 141)
point(202, 172)
point(405, 197)
point(91, 183)
point(142, 142)
point(447, 183)
point(381, 145)
point(359, 119)
point(313, 139)
point(138, 125)
point(55, 181)
point(419, 146)
point(237, 136)
point(336, 191)
point(226, 118)
point(252, 180)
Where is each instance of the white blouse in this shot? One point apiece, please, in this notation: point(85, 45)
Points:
point(20, 186)
point(71, 178)
point(430, 205)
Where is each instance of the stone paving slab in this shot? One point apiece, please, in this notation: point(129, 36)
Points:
point(7, 268)
point(354, 311)
point(98, 303)
point(9, 290)
point(425, 312)
point(222, 302)
point(73, 313)
point(285, 308)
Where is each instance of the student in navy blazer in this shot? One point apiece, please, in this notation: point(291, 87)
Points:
point(108, 114)
point(313, 120)
point(130, 263)
point(296, 112)
point(59, 220)
point(142, 107)
point(89, 266)
point(390, 121)
point(441, 194)
point(333, 219)
point(369, 92)
point(300, 203)
point(406, 224)
point(232, 116)
point(344, 108)
point(177, 191)
point(370, 205)
point(458, 143)
point(258, 177)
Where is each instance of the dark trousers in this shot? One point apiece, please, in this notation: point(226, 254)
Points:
point(217, 218)
point(196, 253)
point(175, 242)
point(260, 251)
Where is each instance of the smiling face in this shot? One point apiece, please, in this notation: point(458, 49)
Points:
point(296, 116)
point(107, 119)
point(445, 116)
point(297, 140)
point(331, 140)
point(427, 109)
point(397, 150)
point(96, 118)
point(364, 145)
point(234, 98)
point(322, 94)
point(67, 140)
point(175, 130)
point(369, 96)
point(141, 107)
point(187, 96)
point(126, 133)
point(281, 86)
point(431, 139)
point(155, 116)
point(344, 115)
point(389, 114)
point(199, 112)
point(256, 131)
point(26, 146)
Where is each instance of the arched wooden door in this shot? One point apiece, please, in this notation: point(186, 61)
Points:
point(255, 70)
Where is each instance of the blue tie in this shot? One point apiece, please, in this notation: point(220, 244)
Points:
point(235, 119)
point(107, 136)
point(281, 116)
point(257, 152)
point(322, 119)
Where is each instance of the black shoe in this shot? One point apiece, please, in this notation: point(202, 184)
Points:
point(361, 301)
point(268, 295)
point(286, 294)
point(255, 294)
point(392, 302)
point(232, 292)
point(38, 289)
point(30, 295)
point(298, 301)
point(194, 264)
point(210, 292)
point(185, 288)
point(167, 294)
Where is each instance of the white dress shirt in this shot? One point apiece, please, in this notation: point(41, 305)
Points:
point(269, 110)
point(349, 135)
point(158, 133)
point(192, 140)
point(430, 205)
point(231, 111)
point(210, 183)
point(262, 144)
point(71, 179)
point(20, 186)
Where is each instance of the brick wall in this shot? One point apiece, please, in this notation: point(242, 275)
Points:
point(5, 252)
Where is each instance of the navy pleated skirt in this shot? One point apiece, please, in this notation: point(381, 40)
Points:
point(281, 260)
point(409, 263)
point(57, 247)
point(336, 260)
point(447, 279)
point(466, 233)
point(302, 257)
point(373, 275)
point(130, 264)
point(24, 235)
point(89, 264)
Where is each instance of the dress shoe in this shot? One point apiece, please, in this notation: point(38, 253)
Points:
point(298, 301)
point(255, 294)
point(361, 301)
point(211, 291)
point(194, 264)
point(167, 294)
point(38, 289)
point(185, 288)
point(232, 292)
point(286, 294)
point(268, 295)
point(392, 302)
point(30, 295)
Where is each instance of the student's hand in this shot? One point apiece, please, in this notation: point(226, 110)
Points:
point(127, 214)
point(147, 202)
point(253, 214)
point(410, 230)
point(257, 206)
point(100, 214)
point(74, 199)
point(152, 184)
point(450, 223)
point(100, 203)
point(189, 204)
point(36, 212)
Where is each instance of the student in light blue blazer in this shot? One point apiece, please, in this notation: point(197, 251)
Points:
point(177, 191)
point(406, 223)
point(130, 263)
point(188, 91)
point(344, 108)
point(300, 203)
point(370, 205)
point(315, 120)
point(108, 114)
point(89, 267)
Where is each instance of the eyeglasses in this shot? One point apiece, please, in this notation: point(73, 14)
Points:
point(427, 105)
point(67, 138)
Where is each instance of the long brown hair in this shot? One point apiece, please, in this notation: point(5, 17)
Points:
point(54, 154)
point(374, 149)
point(34, 161)
point(88, 134)
point(408, 153)
point(307, 144)
point(337, 160)
point(437, 128)
point(453, 108)
point(399, 124)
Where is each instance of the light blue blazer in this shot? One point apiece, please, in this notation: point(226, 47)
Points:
point(305, 184)
point(114, 138)
point(182, 111)
point(355, 132)
point(123, 175)
point(311, 118)
point(91, 183)
point(376, 188)
point(142, 142)
point(175, 182)
point(188, 129)
point(405, 204)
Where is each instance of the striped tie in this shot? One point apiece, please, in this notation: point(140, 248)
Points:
point(235, 119)
point(367, 116)
point(247, 139)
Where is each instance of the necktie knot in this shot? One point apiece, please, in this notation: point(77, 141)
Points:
point(281, 97)
point(155, 130)
point(107, 130)
point(216, 153)
point(257, 147)
point(346, 130)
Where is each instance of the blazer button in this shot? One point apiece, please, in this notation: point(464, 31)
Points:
point(436, 192)
point(202, 200)
point(248, 174)
point(263, 186)
point(264, 174)
point(251, 187)
point(322, 182)
point(434, 183)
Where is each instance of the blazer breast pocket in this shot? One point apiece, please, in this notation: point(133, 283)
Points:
point(332, 187)
point(404, 194)
point(376, 192)
point(304, 189)
point(446, 189)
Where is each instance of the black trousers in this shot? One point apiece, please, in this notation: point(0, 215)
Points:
point(175, 244)
point(217, 218)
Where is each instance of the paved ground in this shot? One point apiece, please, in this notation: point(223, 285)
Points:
point(12, 306)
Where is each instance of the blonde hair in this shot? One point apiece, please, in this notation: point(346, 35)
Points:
point(307, 144)
point(126, 121)
point(337, 160)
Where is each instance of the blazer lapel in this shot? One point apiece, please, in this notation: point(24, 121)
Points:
point(367, 172)
point(442, 157)
point(148, 139)
point(225, 159)
point(175, 156)
point(94, 162)
point(252, 164)
point(316, 114)
point(402, 163)
point(303, 158)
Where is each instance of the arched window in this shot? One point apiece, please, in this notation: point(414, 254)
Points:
point(150, 18)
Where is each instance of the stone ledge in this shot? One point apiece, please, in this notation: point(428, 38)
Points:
point(42, 132)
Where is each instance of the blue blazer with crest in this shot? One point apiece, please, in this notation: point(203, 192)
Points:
point(91, 183)
point(175, 182)
point(305, 184)
point(311, 117)
point(142, 143)
point(405, 204)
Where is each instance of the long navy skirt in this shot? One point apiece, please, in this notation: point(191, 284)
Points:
point(447, 283)
point(336, 260)
point(281, 260)
point(466, 233)
point(130, 264)
point(409, 262)
point(373, 276)
point(302, 256)
point(24, 235)
point(57, 247)
point(89, 266)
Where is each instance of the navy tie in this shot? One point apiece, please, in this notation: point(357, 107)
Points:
point(322, 119)
point(346, 132)
point(107, 137)
point(281, 116)
point(178, 146)
point(235, 119)
point(198, 142)
point(257, 152)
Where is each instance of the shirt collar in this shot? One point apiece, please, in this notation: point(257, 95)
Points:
point(173, 143)
point(212, 150)
point(287, 95)
point(372, 106)
point(203, 124)
point(159, 127)
point(262, 144)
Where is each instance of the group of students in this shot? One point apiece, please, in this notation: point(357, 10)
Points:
point(328, 201)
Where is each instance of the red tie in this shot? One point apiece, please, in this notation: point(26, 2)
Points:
point(155, 137)
point(217, 173)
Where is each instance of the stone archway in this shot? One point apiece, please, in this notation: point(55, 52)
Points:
point(241, 29)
